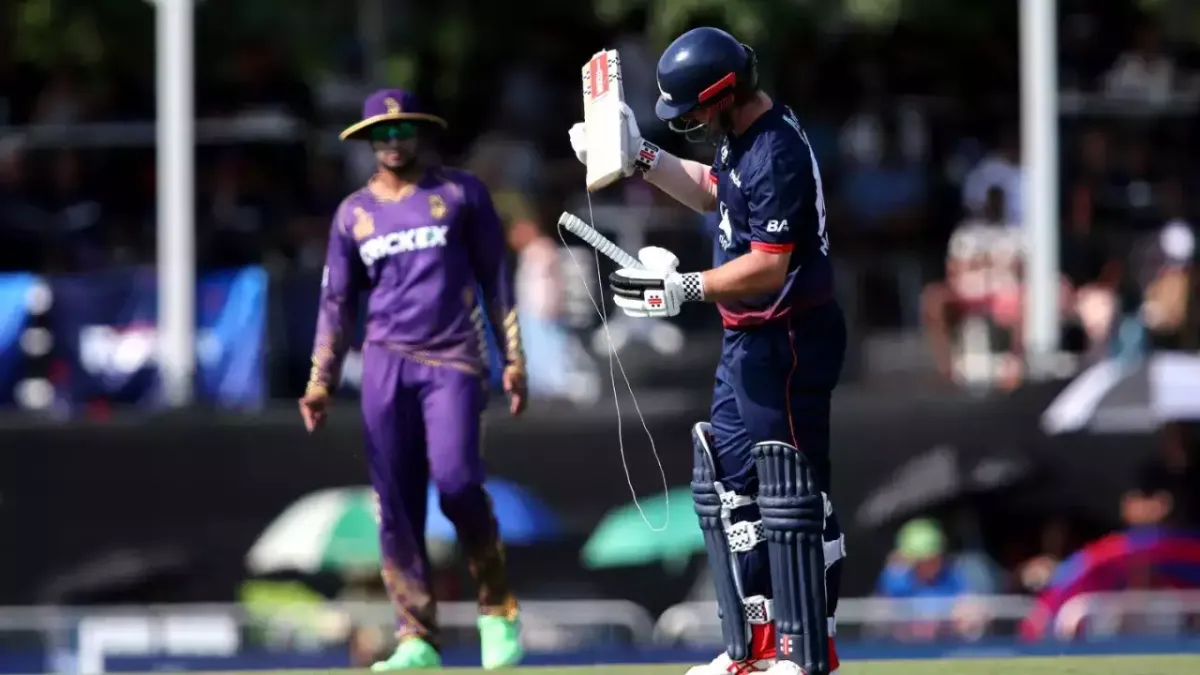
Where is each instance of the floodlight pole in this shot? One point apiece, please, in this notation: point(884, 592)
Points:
point(175, 86)
point(1039, 159)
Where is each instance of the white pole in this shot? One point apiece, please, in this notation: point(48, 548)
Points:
point(176, 183)
point(1039, 156)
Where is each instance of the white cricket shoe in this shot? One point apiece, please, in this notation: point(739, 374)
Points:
point(723, 665)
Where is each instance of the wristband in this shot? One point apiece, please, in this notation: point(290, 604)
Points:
point(647, 157)
point(693, 287)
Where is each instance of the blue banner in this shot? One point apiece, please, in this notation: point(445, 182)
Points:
point(106, 340)
point(15, 290)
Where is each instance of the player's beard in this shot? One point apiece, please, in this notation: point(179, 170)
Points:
point(399, 158)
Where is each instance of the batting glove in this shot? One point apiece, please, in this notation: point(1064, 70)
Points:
point(643, 154)
point(656, 290)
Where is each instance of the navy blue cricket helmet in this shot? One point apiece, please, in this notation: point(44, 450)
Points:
point(705, 68)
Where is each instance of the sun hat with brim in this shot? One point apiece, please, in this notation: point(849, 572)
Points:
point(389, 105)
point(920, 539)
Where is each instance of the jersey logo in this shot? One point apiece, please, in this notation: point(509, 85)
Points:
point(724, 151)
point(777, 226)
point(725, 238)
point(364, 224)
point(437, 207)
point(733, 176)
point(405, 241)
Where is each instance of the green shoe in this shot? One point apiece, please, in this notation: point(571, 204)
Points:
point(500, 642)
point(412, 653)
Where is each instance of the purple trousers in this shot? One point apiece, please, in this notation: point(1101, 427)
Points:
point(422, 423)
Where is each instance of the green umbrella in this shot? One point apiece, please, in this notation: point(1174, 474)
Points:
point(624, 539)
point(334, 529)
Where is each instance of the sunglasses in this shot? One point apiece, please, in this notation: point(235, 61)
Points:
point(393, 131)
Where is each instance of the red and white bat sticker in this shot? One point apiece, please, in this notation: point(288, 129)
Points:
point(654, 299)
point(598, 72)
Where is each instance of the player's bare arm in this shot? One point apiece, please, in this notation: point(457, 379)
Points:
point(758, 272)
point(689, 182)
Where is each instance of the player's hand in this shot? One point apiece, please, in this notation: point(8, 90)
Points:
point(516, 388)
point(637, 149)
point(314, 408)
point(656, 291)
point(579, 141)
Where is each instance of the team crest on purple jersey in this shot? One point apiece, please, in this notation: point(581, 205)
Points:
point(437, 207)
point(364, 224)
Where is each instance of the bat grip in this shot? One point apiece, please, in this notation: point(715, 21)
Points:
point(598, 241)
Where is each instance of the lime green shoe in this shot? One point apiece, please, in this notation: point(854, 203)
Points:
point(500, 642)
point(411, 654)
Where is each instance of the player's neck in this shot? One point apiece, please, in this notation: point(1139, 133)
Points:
point(387, 183)
point(750, 111)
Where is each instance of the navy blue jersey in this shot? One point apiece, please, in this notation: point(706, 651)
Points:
point(769, 198)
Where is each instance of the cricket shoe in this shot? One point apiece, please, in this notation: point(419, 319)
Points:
point(412, 653)
point(499, 642)
point(723, 665)
point(762, 656)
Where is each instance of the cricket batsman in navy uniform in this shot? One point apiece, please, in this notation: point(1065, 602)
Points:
point(419, 243)
point(761, 481)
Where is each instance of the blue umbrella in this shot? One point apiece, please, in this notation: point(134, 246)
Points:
point(523, 517)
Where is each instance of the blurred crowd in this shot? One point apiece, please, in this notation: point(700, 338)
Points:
point(944, 566)
point(920, 154)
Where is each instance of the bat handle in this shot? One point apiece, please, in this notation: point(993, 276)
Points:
point(598, 241)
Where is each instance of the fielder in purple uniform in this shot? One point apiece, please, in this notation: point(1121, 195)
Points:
point(419, 242)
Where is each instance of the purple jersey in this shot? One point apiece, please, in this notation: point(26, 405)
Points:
point(421, 259)
point(770, 198)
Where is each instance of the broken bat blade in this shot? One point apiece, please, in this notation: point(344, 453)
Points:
point(603, 96)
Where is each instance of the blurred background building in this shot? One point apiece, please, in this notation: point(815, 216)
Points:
point(984, 503)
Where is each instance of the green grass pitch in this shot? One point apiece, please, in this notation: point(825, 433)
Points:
point(1099, 665)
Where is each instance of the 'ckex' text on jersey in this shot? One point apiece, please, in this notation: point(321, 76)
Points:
point(404, 241)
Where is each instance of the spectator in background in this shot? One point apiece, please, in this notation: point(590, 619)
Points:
point(1001, 169)
point(983, 264)
point(1054, 546)
point(936, 587)
point(539, 288)
point(1162, 272)
point(1094, 196)
point(1144, 73)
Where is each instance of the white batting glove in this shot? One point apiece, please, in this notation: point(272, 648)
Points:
point(643, 155)
point(657, 291)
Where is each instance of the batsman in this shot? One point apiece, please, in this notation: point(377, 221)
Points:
point(423, 249)
point(761, 480)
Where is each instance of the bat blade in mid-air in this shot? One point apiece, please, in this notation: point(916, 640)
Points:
point(603, 114)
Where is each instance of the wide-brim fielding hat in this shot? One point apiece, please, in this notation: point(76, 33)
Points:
point(389, 105)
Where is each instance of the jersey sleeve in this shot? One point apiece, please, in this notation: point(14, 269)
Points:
point(342, 281)
point(489, 258)
point(776, 192)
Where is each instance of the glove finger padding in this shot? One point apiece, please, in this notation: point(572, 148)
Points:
point(658, 259)
point(631, 307)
